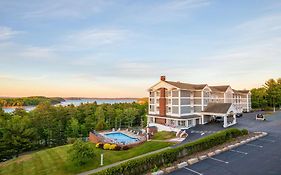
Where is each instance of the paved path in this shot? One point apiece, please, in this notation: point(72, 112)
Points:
point(117, 163)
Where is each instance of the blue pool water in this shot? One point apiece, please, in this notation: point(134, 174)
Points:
point(121, 138)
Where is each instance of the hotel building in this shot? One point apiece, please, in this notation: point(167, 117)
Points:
point(182, 105)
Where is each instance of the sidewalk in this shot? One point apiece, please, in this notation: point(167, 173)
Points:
point(117, 163)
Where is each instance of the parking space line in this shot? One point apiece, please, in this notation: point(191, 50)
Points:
point(267, 140)
point(192, 171)
point(218, 160)
point(249, 144)
point(236, 151)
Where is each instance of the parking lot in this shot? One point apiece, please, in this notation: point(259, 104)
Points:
point(262, 156)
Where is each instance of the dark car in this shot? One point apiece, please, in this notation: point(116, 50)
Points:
point(218, 119)
point(238, 115)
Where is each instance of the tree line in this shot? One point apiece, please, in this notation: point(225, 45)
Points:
point(29, 101)
point(267, 96)
point(49, 126)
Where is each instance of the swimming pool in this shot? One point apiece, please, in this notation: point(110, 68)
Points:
point(121, 138)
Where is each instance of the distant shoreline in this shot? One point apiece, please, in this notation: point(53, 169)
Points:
point(72, 98)
point(100, 98)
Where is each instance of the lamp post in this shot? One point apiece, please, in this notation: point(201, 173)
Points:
point(101, 159)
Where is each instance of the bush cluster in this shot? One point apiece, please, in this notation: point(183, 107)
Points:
point(143, 164)
point(108, 146)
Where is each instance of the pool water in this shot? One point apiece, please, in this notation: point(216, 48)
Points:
point(121, 138)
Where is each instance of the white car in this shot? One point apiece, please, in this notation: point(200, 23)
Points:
point(260, 117)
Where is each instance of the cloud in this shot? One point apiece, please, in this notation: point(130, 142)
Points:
point(14, 52)
point(38, 53)
point(163, 11)
point(20, 78)
point(94, 38)
point(7, 33)
point(177, 5)
point(65, 9)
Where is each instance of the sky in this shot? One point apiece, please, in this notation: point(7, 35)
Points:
point(119, 48)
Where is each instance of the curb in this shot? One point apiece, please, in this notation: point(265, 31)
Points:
point(210, 154)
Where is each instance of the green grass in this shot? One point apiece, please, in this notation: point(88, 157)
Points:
point(163, 135)
point(54, 160)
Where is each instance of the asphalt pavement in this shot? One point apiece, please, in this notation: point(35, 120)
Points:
point(260, 157)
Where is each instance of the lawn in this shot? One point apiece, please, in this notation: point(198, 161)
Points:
point(163, 135)
point(54, 160)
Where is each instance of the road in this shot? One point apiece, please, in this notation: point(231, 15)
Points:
point(259, 157)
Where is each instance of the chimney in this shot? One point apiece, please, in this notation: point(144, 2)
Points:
point(163, 78)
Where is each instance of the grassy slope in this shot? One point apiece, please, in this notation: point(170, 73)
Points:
point(54, 160)
point(163, 135)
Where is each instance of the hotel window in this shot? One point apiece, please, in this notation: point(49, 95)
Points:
point(168, 109)
point(185, 93)
point(175, 93)
point(157, 101)
point(157, 93)
point(151, 108)
point(168, 94)
point(185, 109)
point(181, 123)
point(189, 122)
point(175, 102)
point(175, 110)
point(185, 101)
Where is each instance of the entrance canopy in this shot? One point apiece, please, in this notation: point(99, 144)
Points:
point(225, 110)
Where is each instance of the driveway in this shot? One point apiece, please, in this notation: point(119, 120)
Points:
point(248, 121)
point(259, 157)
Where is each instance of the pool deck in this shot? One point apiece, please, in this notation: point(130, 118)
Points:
point(140, 137)
point(128, 133)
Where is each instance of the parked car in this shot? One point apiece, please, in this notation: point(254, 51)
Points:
point(238, 115)
point(219, 119)
point(260, 117)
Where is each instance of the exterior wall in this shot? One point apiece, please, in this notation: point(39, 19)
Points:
point(165, 100)
point(162, 103)
point(93, 138)
point(228, 96)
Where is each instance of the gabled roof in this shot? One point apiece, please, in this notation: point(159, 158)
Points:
point(220, 108)
point(243, 91)
point(187, 85)
point(222, 88)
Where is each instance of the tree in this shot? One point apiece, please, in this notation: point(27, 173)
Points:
point(130, 114)
point(273, 92)
point(81, 152)
point(259, 97)
point(100, 115)
point(19, 134)
point(73, 128)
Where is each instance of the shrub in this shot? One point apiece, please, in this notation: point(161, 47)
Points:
point(106, 146)
point(244, 131)
point(99, 145)
point(81, 152)
point(125, 147)
point(143, 164)
point(118, 148)
point(71, 140)
point(113, 147)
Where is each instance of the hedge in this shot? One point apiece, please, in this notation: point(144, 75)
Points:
point(144, 164)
